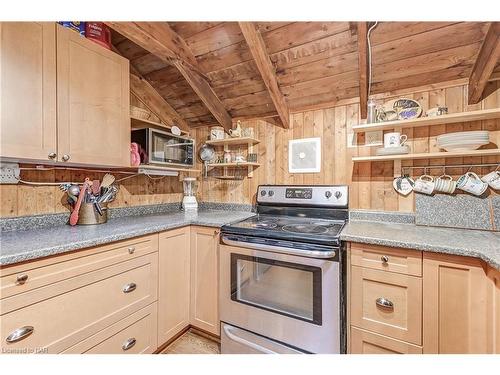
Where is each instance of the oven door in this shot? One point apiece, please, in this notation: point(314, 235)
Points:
point(291, 299)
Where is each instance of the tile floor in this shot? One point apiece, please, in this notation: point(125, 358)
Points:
point(192, 343)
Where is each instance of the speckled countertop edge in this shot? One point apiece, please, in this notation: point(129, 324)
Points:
point(484, 245)
point(62, 239)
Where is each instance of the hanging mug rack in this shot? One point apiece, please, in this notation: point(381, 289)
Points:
point(406, 169)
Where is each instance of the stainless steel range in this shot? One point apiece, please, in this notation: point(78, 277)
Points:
point(282, 273)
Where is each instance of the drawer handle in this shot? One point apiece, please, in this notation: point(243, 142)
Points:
point(385, 259)
point(129, 288)
point(131, 249)
point(384, 303)
point(21, 279)
point(19, 334)
point(129, 343)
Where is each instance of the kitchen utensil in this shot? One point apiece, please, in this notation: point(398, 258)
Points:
point(73, 219)
point(96, 187)
point(394, 139)
point(492, 179)
point(89, 216)
point(236, 133)
point(393, 150)
point(206, 154)
point(64, 187)
point(216, 133)
point(445, 184)
point(463, 141)
point(175, 130)
point(107, 180)
point(471, 183)
point(424, 184)
point(407, 108)
point(98, 208)
point(403, 185)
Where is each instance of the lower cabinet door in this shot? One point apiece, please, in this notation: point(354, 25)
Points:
point(205, 279)
point(455, 309)
point(135, 334)
point(364, 342)
point(174, 283)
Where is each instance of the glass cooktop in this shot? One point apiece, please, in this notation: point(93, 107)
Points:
point(288, 227)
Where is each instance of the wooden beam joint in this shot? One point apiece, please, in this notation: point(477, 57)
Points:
point(362, 28)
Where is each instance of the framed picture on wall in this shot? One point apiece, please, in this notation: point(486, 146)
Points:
point(304, 155)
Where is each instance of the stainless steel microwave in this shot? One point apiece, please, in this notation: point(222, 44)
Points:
point(160, 147)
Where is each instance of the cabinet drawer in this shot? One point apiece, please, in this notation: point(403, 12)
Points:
point(364, 342)
point(135, 334)
point(81, 306)
point(408, 262)
point(387, 303)
point(52, 270)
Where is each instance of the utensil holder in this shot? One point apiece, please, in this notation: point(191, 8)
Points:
point(89, 216)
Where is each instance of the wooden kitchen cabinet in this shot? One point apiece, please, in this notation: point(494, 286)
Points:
point(28, 90)
point(494, 309)
point(93, 102)
point(205, 279)
point(365, 342)
point(174, 283)
point(63, 98)
point(455, 305)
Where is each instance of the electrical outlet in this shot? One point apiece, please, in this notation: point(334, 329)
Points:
point(9, 173)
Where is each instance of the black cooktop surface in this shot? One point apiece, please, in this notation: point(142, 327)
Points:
point(291, 228)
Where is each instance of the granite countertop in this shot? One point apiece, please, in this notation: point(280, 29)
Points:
point(22, 245)
point(474, 243)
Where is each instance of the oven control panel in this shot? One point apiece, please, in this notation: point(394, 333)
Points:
point(319, 195)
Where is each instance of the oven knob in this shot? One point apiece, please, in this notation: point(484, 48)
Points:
point(338, 194)
point(271, 193)
point(263, 193)
point(328, 194)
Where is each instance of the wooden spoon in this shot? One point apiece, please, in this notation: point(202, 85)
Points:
point(107, 180)
point(73, 219)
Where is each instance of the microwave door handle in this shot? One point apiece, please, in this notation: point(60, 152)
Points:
point(242, 341)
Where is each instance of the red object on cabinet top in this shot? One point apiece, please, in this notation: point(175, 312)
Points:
point(98, 32)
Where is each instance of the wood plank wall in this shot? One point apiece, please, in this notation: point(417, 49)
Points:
point(370, 183)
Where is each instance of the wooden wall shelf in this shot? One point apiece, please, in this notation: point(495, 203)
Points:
point(234, 141)
point(430, 155)
point(234, 165)
point(480, 115)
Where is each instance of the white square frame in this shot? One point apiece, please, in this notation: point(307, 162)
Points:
point(317, 163)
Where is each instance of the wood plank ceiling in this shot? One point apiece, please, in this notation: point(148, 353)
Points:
point(316, 63)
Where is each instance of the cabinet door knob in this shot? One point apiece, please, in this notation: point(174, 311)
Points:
point(384, 303)
point(19, 334)
point(129, 287)
point(131, 249)
point(65, 157)
point(385, 259)
point(21, 279)
point(129, 343)
point(52, 155)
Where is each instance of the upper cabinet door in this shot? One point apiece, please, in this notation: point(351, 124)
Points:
point(92, 102)
point(28, 90)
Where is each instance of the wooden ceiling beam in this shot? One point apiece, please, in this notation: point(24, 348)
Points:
point(362, 28)
point(152, 99)
point(266, 69)
point(147, 94)
point(487, 59)
point(159, 39)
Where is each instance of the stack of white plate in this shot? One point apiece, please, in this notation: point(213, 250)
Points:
point(463, 141)
point(393, 150)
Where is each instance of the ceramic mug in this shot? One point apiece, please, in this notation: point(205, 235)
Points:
point(445, 184)
point(492, 179)
point(216, 133)
point(394, 139)
point(471, 183)
point(424, 184)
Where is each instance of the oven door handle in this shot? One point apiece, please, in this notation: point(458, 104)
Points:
point(242, 341)
point(281, 249)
